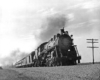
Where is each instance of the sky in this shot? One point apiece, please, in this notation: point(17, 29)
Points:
point(25, 24)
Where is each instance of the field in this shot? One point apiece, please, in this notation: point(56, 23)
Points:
point(76, 72)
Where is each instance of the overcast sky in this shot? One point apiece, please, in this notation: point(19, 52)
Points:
point(23, 25)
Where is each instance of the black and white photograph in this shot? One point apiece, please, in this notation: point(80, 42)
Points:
point(49, 39)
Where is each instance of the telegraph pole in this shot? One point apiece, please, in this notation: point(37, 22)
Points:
point(92, 41)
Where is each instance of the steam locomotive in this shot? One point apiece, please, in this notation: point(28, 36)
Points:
point(58, 51)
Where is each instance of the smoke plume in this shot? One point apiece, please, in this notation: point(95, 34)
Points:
point(51, 25)
point(12, 58)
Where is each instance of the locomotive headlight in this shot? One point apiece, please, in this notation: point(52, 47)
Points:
point(68, 49)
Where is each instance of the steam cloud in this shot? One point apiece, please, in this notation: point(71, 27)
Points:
point(52, 25)
point(11, 59)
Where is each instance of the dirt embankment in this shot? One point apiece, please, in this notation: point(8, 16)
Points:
point(6, 74)
point(77, 72)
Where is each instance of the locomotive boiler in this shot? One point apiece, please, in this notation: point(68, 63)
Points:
point(58, 51)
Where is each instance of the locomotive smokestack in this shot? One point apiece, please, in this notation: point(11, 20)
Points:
point(62, 31)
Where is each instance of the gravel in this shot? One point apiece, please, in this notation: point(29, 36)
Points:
point(76, 72)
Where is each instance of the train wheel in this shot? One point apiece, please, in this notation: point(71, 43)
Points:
point(75, 62)
point(78, 61)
